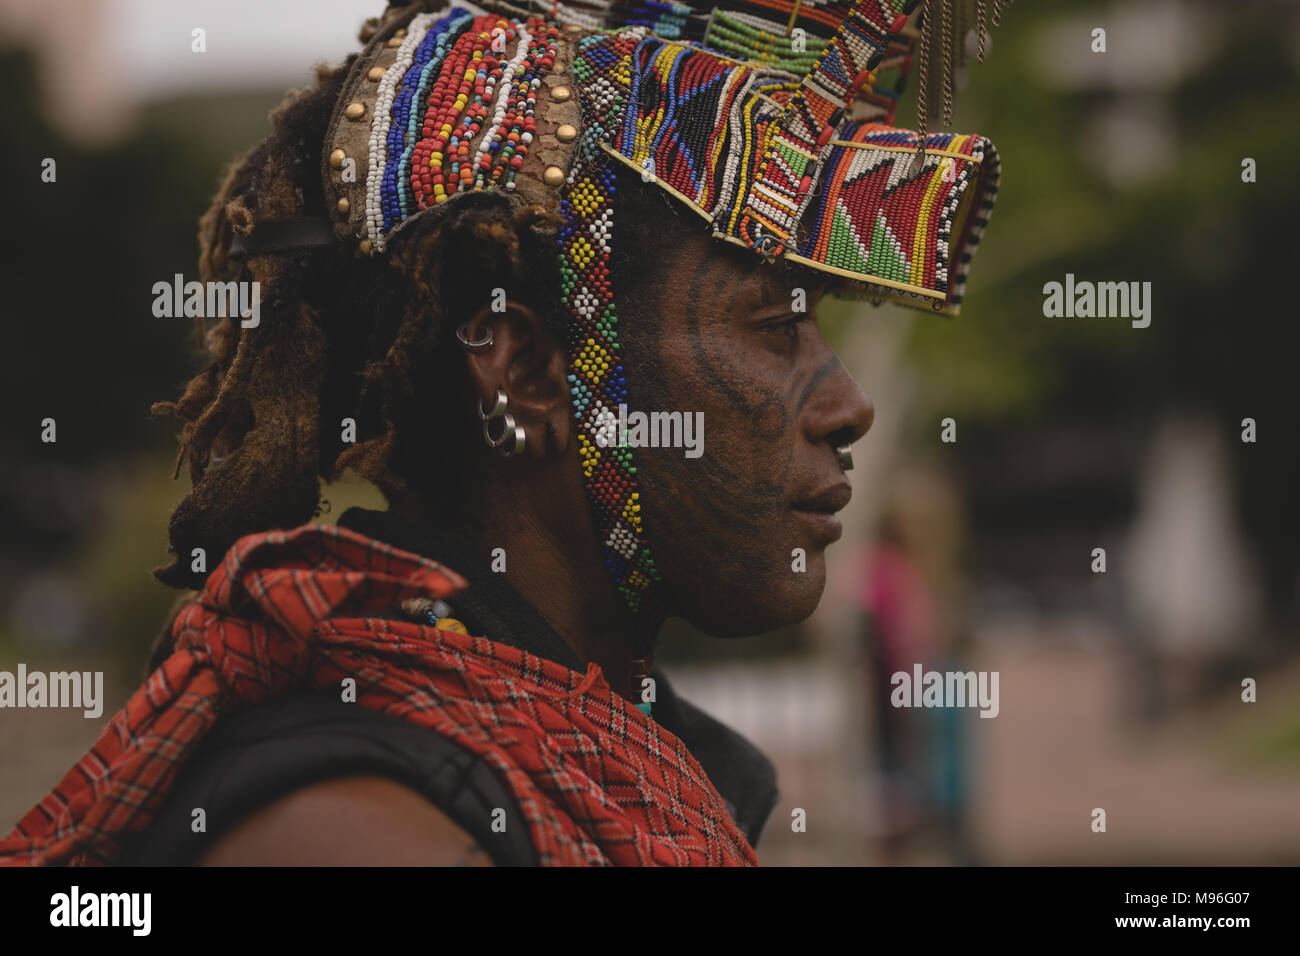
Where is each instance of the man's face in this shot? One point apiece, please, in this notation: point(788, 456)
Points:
point(739, 533)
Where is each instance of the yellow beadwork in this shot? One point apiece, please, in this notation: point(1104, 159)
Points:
point(582, 253)
point(632, 512)
point(589, 454)
point(593, 360)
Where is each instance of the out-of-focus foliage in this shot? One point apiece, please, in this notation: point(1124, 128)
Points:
point(78, 261)
point(1219, 253)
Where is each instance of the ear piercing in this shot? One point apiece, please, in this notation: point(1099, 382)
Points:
point(473, 345)
point(511, 439)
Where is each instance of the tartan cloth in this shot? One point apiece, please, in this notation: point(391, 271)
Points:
point(597, 781)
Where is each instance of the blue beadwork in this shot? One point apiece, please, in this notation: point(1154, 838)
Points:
point(408, 107)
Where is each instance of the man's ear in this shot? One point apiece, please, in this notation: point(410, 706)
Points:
point(530, 364)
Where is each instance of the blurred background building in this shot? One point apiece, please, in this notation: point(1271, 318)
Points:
point(1119, 689)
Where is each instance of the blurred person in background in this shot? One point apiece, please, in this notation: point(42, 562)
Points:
point(913, 613)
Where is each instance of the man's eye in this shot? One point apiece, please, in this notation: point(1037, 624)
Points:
point(789, 326)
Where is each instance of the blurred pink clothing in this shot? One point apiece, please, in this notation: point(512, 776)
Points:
point(896, 596)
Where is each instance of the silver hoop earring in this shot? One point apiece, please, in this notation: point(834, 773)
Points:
point(511, 439)
point(472, 345)
point(498, 409)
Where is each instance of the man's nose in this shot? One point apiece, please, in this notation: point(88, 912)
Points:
point(840, 412)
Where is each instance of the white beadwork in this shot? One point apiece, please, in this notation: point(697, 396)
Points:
point(382, 120)
point(502, 100)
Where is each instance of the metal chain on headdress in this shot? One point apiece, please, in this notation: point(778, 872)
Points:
point(949, 61)
point(979, 8)
point(922, 99)
point(997, 12)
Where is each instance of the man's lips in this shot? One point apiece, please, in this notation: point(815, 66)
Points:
point(827, 502)
point(818, 512)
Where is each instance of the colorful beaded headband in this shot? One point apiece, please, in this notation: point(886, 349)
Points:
point(804, 165)
point(441, 103)
point(784, 147)
point(770, 159)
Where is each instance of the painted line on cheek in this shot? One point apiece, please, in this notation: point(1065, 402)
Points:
point(702, 359)
point(818, 377)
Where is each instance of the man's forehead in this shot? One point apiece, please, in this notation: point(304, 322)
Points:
point(780, 276)
point(712, 267)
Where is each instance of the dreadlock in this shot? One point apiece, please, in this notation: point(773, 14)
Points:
point(340, 337)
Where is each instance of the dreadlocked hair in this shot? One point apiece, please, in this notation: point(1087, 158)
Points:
point(339, 337)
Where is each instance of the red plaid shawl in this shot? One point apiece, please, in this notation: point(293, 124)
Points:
point(597, 781)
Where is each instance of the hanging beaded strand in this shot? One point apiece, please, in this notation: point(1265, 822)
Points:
point(405, 102)
point(487, 71)
point(482, 161)
point(459, 23)
point(448, 98)
point(379, 126)
point(519, 124)
point(597, 381)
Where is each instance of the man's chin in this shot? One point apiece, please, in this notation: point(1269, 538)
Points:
point(744, 612)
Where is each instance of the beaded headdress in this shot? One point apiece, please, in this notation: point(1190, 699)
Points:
point(771, 119)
